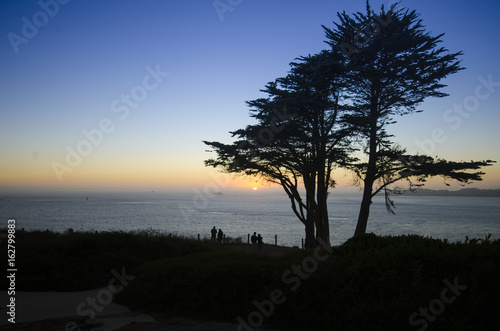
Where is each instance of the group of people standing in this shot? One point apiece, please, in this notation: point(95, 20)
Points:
point(257, 238)
point(219, 236)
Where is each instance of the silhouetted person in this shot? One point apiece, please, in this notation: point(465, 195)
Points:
point(214, 233)
point(220, 236)
point(259, 243)
point(253, 238)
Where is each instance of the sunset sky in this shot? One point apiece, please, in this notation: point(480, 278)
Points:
point(120, 94)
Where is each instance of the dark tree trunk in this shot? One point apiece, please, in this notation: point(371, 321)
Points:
point(323, 223)
point(310, 241)
point(364, 211)
point(310, 185)
point(323, 226)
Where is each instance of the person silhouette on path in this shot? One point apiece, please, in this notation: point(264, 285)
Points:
point(220, 236)
point(259, 243)
point(214, 233)
point(254, 238)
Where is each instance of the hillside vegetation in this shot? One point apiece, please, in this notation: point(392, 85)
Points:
point(369, 282)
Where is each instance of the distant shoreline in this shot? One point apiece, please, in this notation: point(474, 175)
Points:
point(466, 192)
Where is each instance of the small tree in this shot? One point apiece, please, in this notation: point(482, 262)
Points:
point(392, 64)
point(297, 140)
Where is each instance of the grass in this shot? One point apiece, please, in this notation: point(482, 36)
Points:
point(370, 282)
point(49, 261)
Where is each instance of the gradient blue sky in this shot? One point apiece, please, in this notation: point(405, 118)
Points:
point(70, 74)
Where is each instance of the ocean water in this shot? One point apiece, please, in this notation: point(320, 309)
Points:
point(237, 215)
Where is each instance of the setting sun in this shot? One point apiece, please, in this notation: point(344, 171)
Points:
point(255, 188)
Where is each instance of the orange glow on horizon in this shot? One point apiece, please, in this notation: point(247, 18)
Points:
point(144, 174)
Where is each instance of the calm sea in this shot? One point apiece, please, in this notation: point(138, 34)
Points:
point(237, 215)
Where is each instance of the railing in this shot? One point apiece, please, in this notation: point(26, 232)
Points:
point(248, 239)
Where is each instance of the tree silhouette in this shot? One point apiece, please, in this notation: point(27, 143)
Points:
point(339, 101)
point(391, 65)
point(298, 140)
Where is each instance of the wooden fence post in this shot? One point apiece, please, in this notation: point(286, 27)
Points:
point(275, 240)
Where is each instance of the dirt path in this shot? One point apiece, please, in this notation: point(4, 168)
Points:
point(115, 323)
point(53, 311)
